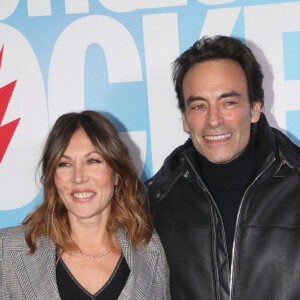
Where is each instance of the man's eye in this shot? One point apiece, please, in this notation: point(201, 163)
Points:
point(199, 106)
point(230, 103)
point(63, 164)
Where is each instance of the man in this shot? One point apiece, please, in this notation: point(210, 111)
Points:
point(226, 204)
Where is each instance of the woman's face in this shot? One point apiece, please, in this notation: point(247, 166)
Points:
point(84, 181)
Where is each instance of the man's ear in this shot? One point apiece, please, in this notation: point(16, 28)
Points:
point(184, 122)
point(255, 115)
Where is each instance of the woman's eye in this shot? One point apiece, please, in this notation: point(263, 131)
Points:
point(93, 161)
point(63, 164)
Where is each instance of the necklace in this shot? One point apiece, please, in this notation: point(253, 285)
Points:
point(105, 252)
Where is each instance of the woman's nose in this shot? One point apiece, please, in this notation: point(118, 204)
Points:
point(79, 174)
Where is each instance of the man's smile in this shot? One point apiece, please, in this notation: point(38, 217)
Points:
point(217, 137)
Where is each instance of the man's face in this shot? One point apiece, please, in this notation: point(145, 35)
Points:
point(218, 115)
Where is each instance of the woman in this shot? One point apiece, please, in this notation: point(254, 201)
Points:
point(91, 238)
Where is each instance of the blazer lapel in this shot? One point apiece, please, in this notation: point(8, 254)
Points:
point(142, 265)
point(37, 273)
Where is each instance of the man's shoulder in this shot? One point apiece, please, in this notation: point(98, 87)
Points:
point(277, 142)
point(172, 168)
point(172, 162)
point(287, 148)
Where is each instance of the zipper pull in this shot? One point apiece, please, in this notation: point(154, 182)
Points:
point(281, 170)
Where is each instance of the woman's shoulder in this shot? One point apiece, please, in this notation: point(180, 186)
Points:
point(14, 236)
point(154, 243)
point(16, 231)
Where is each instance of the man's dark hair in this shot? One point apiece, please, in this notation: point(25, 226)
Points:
point(220, 47)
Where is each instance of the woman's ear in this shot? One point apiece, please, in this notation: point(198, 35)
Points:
point(116, 179)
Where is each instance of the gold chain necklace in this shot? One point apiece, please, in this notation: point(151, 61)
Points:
point(107, 251)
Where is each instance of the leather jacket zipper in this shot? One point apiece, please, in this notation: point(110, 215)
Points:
point(283, 162)
point(234, 250)
point(203, 186)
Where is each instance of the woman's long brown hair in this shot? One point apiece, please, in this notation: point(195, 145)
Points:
point(128, 205)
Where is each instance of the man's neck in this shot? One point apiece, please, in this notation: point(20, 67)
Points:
point(240, 171)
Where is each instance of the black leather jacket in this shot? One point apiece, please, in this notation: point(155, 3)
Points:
point(266, 251)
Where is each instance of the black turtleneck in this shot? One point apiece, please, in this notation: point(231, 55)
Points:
point(227, 183)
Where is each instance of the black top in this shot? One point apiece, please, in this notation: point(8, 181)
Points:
point(227, 183)
point(70, 289)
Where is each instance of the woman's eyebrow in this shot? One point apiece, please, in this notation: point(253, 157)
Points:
point(87, 154)
point(92, 152)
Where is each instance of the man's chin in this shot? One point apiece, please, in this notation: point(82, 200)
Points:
point(219, 159)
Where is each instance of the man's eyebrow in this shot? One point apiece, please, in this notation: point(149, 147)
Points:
point(194, 98)
point(234, 94)
point(230, 94)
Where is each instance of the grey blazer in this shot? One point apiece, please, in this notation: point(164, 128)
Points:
point(33, 277)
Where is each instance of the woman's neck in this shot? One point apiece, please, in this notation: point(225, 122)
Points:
point(89, 233)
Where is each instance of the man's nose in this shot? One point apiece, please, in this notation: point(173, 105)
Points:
point(214, 116)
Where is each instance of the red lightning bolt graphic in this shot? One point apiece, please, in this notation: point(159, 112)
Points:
point(7, 130)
